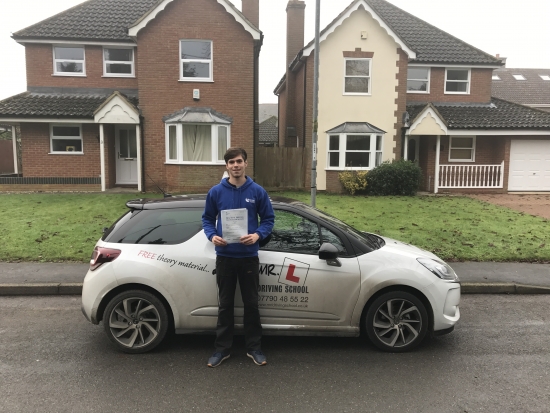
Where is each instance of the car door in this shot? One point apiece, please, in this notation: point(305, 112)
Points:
point(299, 289)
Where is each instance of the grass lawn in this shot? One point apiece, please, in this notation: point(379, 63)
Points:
point(65, 227)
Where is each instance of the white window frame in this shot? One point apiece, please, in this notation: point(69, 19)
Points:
point(457, 81)
point(342, 151)
point(210, 61)
point(52, 138)
point(473, 149)
point(179, 143)
point(130, 63)
point(420, 80)
point(55, 61)
point(369, 93)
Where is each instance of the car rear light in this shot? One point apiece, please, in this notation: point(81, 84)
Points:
point(102, 255)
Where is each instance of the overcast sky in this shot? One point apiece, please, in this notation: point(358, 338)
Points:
point(518, 30)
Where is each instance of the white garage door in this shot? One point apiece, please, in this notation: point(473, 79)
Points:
point(529, 166)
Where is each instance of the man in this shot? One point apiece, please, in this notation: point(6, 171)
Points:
point(238, 261)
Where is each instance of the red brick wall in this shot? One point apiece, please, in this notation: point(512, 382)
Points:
point(35, 147)
point(282, 116)
point(40, 70)
point(480, 88)
point(161, 92)
point(333, 182)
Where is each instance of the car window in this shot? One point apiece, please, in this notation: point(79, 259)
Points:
point(294, 233)
point(156, 226)
point(329, 236)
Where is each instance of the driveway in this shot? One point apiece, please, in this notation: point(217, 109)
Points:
point(538, 205)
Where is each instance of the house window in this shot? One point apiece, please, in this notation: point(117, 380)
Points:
point(69, 61)
point(545, 77)
point(118, 62)
point(196, 60)
point(462, 149)
point(357, 78)
point(196, 143)
point(66, 139)
point(496, 77)
point(418, 80)
point(519, 77)
point(354, 151)
point(457, 81)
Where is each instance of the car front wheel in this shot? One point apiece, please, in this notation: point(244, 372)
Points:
point(396, 321)
point(135, 321)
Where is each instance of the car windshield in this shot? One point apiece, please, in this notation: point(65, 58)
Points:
point(370, 240)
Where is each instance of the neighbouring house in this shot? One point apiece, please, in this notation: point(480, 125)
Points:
point(127, 92)
point(529, 87)
point(269, 132)
point(391, 87)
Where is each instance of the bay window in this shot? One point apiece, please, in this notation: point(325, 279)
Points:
point(354, 151)
point(196, 143)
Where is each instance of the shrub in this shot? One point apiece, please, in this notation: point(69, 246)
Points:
point(395, 178)
point(353, 181)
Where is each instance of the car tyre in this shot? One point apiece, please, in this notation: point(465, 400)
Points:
point(396, 322)
point(136, 321)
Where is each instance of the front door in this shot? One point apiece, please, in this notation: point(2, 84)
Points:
point(126, 156)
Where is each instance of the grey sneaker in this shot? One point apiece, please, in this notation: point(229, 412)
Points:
point(217, 359)
point(258, 357)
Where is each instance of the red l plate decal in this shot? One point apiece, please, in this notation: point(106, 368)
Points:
point(290, 274)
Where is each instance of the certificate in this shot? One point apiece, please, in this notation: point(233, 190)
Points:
point(234, 224)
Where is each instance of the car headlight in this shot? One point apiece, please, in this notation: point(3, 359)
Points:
point(439, 268)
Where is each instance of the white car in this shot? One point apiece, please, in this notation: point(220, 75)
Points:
point(154, 270)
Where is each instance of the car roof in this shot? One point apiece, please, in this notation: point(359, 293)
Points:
point(190, 201)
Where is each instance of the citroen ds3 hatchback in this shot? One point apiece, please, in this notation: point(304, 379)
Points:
point(154, 270)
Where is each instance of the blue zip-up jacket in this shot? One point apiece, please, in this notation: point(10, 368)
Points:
point(250, 196)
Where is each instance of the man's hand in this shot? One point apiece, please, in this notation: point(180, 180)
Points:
point(218, 241)
point(249, 239)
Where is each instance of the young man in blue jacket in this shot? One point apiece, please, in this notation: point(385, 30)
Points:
point(238, 261)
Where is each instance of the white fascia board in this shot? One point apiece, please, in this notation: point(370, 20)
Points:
point(426, 112)
point(134, 30)
point(452, 66)
point(492, 132)
point(45, 120)
point(80, 42)
point(411, 53)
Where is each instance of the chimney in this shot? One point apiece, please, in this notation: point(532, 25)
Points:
point(251, 10)
point(294, 29)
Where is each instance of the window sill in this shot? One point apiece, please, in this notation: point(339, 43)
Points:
point(197, 80)
point(456, 93)
point(195, 163)
point(68, 75)
point(347, 169)
point(118, 76)
point(66, 153)
point(418, 93)
point(356, 94)
point(461, 160)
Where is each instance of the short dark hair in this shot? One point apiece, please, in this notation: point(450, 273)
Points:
point(233, 153)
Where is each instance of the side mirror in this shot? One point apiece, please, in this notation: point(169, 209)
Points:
point(328, 252)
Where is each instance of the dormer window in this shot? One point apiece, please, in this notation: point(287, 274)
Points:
point(519, 77)
point(69, 61)
point(545, 77)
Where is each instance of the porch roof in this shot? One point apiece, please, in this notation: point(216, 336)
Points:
point(356, 127)
point(498, 114)
point(53, 105)
point(197, 115)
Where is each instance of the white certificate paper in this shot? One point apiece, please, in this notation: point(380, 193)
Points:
point(234, 224)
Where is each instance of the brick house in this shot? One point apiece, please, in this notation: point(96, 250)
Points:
point(392, 86)
point(529, 87)
point(127, 92)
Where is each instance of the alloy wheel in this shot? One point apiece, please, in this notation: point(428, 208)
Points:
point(397, 323)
